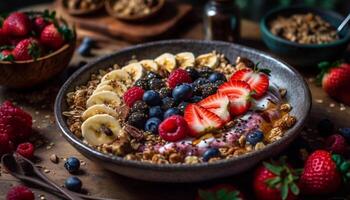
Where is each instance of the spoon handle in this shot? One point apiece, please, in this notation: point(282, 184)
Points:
point(343, 23)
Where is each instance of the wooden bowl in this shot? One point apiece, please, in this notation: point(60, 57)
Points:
point(77, 12)
point(25, 74)
point(155, 10)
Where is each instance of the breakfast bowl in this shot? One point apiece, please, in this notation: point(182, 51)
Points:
point(284, 76)
point(306, 54)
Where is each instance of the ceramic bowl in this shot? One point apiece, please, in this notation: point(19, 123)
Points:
point(304, 54)
point(282, 74)
point(78, 12)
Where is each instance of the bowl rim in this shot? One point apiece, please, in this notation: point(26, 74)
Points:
point(81, 146)
point(62, 3)
point(266, 18)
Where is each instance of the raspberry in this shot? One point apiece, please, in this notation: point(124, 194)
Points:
point(6, 145)
point(336, 143)
point(173, 128)
point(8, 108)
point(26, 150)
point(20, 193)
point(177, 77)
point(132, 95)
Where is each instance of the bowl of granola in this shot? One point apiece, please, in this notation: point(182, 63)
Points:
point(182, 110)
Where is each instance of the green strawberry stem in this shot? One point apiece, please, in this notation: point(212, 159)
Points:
point(9, 58)
point(343, 166)
point(325, 66)
point(263, 70)
point(222, 194)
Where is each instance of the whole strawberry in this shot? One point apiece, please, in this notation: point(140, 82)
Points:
point(16, 24)
point(275, 182)
point(3, 37)
point(335, 79)
point(320, 175)
point(39, 24)
point(220, 192)
point(51, 37)
point(27, 49)
point(6, 55)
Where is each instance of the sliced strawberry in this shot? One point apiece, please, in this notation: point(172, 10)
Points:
point(238, 92)
point(217, 104)
point(257, 80)
point(201, 120)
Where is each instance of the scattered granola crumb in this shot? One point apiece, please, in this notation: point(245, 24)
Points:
point(54, 158)
point(46, 171)
point(332, 105)
point(318, 100)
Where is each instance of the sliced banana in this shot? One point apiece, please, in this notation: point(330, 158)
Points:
point(117, 75)
point(135, 71)
point(209, 60)
point(150, 65)
point(185, 59)
point(104, 97)
point(100, 129)
point(98, 109)
point(166, 61)
point(114, 86)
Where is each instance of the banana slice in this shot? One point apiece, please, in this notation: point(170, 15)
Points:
point(185, 59)
point(166, 61)
point(98, 109)
point(104, 97)
point(113, 86)
point(100, 129)
point(117, 75)
point(209, 60)
point(150, 65)
point(135, 71)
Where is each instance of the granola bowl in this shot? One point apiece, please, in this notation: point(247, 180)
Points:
point(142, 159)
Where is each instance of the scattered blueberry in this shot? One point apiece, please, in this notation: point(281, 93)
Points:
point(182, 92)
point(182, 106)
point(201, 81)
point(72, 164)
point(171, 111)
point(192, 72)
point(88, 41)
point(346, 133)
point(151, 97)
point(84, 50)
point(255, 137)
point(167, 103)
point(216, 76)
point(325, 127)
point(210, 153)
point(156, 111)
point(152, 125)
point(195, 99)
point(73, 183)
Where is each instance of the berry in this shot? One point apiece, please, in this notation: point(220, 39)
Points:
point(137, 119)
point(182, 92)
point(27, 49)
point(255, 137)
point(171, 112)
point(51, 37)
point(336, 143)
point(132, 95)
point(201, 120)
point(16, 24)
point(216, 76)
point(208, 89)
point(20, 193)
point(219, 82)
point(201, 81)
point(210, 153)
point(217, 104)
point(156, 111)
point(320, 175)
point(38, 24)
point(26, 150)
point(195, 99)
point(257, 79)
point(84, 49)
point(346, 133)
point(151, 75)
point(238, 93)
point(182, 106)
point(196, 89)
point(192, 72)
point(73, 183)
point(9, 109)
point(72, 164)
point(155, 83)
point(139, 106)
point(165, 92)
point(221, 191)
point(6, 146)
point(177, 77)
point(173, 128)
point(142, 83)
point(4, 39)
point(168, 103)
point(325, 127)
point(151, 97)
point(205, 72)
point(152, 125)
point(6, 55)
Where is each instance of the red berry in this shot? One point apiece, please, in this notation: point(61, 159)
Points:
point(5, 55)
point(39, 24)
point(20, 193)
point(173, 128)
point(27, 49)
point(11, 109)
point(6, 146)
point(336, 144)
point(3, 37)
point(51, 37)
point(177, 77)
point(132, 95)
point(26, 150)
point(217, 104)
point(16, 24)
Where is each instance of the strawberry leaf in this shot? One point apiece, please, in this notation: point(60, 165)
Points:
point(294, 189)
point(284, 189)
point(9, 58)
point(273, 168)
point(34, 50)
point(344, 167)
point(273, 182)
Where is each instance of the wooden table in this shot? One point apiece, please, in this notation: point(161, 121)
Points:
point(99, 182)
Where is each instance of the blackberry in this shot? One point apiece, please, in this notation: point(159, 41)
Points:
point(205, 72)
point(196, 89)
point(195, 99)
point(155, 83)
point(151, 75)
point(208, 89)
point(192, 72)
point(164, 92)
point(219, 82)
point(137, 119)
point(139, 106)
point(182, 106)
point(142, 83)
point(168, 102)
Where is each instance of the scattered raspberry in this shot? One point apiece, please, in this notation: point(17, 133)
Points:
point(173, 128)
point(8, 106)
point(6, 145)
point(20, 193)
point(177, 77)
point(26, 150)
point(132, 95)
point(336, 143)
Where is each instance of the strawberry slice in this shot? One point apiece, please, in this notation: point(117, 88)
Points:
point(200, 120)
point(217, 104)
point(238, 92)
point(258, 80)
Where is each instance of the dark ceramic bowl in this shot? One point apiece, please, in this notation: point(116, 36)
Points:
point(283, 75)
point(304, 54)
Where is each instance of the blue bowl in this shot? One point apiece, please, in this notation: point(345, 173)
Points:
point(304, 54)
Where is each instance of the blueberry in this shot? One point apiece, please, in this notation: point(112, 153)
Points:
point(182, 106)
point(346, 133)
point(201, 81)
point(192, 72)
point(255, 137)
point(171, 111)
point(88, 41)
point(195, 99)
point(73, 183)
point(325, 127)
point(72, 164)
point(167, 103)
point(156, 111)
point(210, 153)
point(151, 97)
point(152, 125)
point(84, 50)
point(216, 76)
point(182, 92)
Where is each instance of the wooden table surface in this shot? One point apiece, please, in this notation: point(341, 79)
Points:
point(99, 182)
